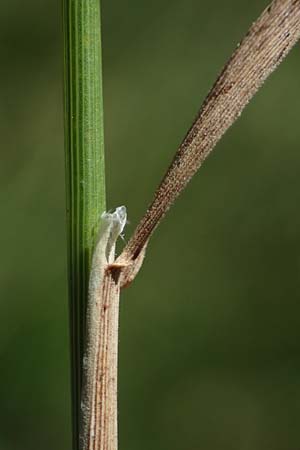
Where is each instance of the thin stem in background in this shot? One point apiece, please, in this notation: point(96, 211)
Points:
point(85, 176)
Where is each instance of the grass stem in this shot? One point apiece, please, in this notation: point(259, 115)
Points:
point(85, 176)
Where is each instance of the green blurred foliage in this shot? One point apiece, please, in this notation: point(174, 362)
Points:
point(210, 330)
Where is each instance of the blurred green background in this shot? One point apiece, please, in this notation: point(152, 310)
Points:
point(210, 330)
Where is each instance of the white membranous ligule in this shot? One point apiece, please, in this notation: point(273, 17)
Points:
point(111, 226)
point(116, 222)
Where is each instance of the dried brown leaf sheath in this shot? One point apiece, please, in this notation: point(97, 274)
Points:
point(99, 399)
point(265, 45)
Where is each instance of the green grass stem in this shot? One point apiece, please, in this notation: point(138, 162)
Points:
point(85, 176)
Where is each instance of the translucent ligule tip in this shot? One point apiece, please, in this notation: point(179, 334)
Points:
point(121, 216)
point(117, 218)
point(115, 221)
